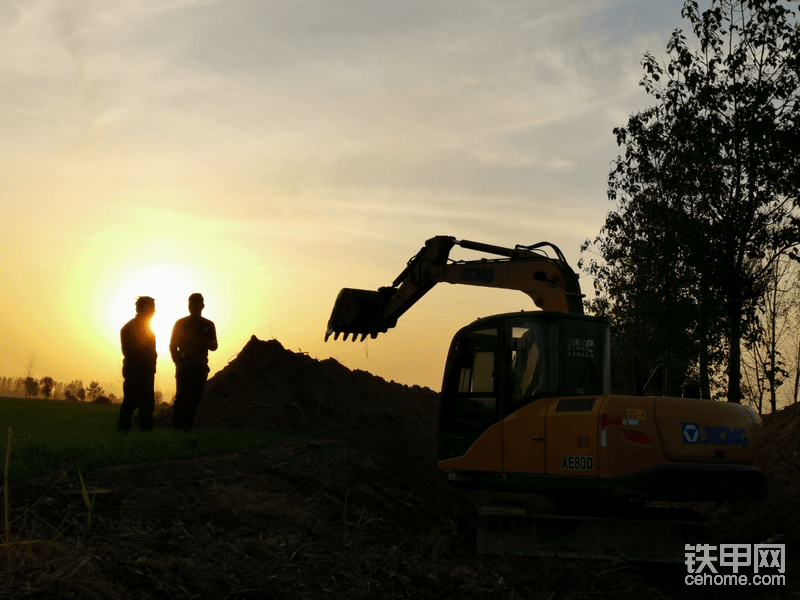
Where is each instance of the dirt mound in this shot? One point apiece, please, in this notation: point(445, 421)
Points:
point(775, 518)
point(268, 386)
point(289, 389)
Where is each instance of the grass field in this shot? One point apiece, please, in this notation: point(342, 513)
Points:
point(49, 437)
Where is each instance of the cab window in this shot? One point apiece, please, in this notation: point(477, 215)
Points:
point(525, 366)
point(471, 397)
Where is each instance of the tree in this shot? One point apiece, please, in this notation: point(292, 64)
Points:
point(659, 311)
point(793, 343)
point(763, 366)
point(81, 395)
point(716, 161)
point(31, 387)
point(30, 365)
point(74, 388)
point(7, 386)
point(94, 391)
point(46, 387)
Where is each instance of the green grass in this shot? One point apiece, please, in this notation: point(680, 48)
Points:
point(49, 437)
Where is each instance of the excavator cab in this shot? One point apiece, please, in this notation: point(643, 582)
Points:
point(499, 364)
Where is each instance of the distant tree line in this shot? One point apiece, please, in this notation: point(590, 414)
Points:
point(697, 265)
point(48, 388)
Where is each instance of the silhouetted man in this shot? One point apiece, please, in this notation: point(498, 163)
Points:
point(138, 366)
point(192, 338)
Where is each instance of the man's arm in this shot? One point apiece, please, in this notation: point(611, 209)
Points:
point(123, 343)
point(175, 340)
point(212, 337)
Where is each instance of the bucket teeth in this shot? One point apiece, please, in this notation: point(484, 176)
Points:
point(355, 335)
point(359, 313)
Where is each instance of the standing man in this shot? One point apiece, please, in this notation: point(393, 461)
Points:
point(138, 367)
point(192, 338)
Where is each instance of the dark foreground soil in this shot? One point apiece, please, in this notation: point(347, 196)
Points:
point(358, 512)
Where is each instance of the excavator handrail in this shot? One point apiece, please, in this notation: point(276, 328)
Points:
point(534, 247)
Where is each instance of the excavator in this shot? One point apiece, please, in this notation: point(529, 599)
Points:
point(525, 407)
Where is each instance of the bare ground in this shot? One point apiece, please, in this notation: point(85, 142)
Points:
point(360, 511)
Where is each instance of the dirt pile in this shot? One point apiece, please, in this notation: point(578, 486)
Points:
point(268, 386)
point(775, 518)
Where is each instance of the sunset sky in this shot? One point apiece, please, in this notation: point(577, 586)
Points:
point(267, 154)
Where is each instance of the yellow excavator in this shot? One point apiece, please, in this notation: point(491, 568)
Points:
point(525, 403)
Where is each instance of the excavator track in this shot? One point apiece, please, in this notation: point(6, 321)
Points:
point(632, 533)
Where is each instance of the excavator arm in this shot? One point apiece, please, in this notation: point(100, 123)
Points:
point(549, 282)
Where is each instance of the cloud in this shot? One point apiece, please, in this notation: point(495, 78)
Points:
point(299, 90)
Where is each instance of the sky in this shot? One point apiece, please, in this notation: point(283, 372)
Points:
point(268, 154)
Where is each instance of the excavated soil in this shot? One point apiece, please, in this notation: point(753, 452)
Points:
point(358, 511)
point(269, 387)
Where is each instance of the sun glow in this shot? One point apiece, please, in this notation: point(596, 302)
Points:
point(169, 285)
point(102, 295)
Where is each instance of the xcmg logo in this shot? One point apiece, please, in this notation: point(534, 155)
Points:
point(716, 435)
point(478, 274)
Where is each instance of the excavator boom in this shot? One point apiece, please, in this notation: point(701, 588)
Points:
point(550, 283)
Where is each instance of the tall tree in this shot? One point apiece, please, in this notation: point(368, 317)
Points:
point(793, 344)
point(716, 161)
point(73, 388)
point(31, 387)
point(648, 291)
point(46, 387)
point(94, 391)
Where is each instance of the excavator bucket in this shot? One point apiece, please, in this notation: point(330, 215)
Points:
point(358, 312)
